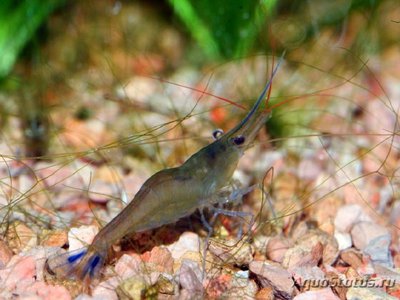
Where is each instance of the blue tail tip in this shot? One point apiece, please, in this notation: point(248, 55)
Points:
point(75, 257)
point(91, 266)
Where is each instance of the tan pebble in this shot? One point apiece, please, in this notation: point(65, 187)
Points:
point(134, 288)
point(352, 258)
point(101, 191)
point(129, 265)
point(106, 289)
point(218, 286)
point(140, 88)
point(5, 254)
point(53, 176)
point(241, 288)
point(83, 135)
point(19, 269)
point(285, 187)
point(338, 289)
point(166, 285)
point(82, 236)
point(188, 241)
point(396, 260)
point(343, 239)
point(20, 236)
point(303, 255)
point(325, 121)
point(302, 276)
point(161, 258)
point(327, 226)
point(325, 211)
point(277, 247)
point(231, 251)
point(309, 169)
point(133, 182)
point(25, 184)
point(190, 276)
point(329, 243)
point(107, 174)
point(349, 215)
point(260, 243)
point(259, 257)
point(351, 273)
point(45, 291)
point(365, 232)
point(300, 230)
point(272, 274)
point(266, 293)
point(190, 295)
point(54, 238)
point(325, 294)
point(356, 293)
point(193, 256)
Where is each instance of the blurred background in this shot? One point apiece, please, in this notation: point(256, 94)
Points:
point(56, 57)
point(96, 96)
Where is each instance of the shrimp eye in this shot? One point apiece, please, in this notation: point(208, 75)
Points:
point(217, 133)
point(239, 140)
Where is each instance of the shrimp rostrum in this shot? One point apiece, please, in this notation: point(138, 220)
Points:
point(171, 194)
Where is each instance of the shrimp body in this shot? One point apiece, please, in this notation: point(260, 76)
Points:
point(171, 194)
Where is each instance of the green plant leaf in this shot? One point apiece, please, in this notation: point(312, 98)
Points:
point(223, 28)
point(18, 22)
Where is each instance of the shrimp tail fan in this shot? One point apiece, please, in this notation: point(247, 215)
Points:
point(79, 264)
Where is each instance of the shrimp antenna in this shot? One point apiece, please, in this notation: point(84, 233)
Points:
point(259, 100)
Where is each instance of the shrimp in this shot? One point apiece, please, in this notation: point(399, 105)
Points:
point(174, 193)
